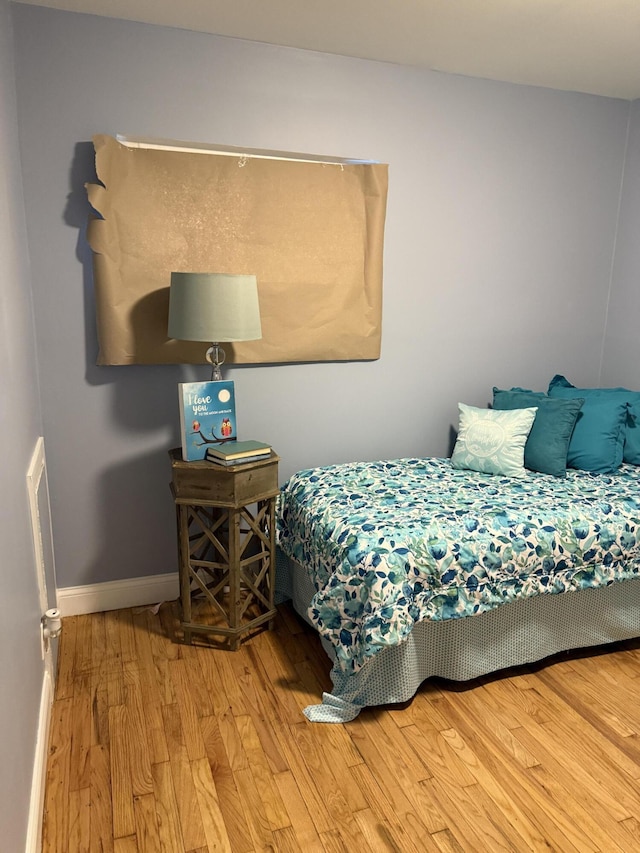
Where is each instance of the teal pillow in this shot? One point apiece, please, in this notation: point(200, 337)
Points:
point(548, 442)
point(561, 387)
point(492, 441)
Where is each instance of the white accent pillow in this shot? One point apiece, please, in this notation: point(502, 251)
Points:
point(493, 441)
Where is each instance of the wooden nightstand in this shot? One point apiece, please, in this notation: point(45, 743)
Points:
point(226, 544)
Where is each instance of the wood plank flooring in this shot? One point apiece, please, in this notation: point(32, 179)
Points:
point(159, 747)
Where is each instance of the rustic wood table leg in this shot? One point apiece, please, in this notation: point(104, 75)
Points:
point(184, 558)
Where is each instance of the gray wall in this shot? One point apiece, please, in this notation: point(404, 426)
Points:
point(502, 211)
point(20, 426)
point(621, 361)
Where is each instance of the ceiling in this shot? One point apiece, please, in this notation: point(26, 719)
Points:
point(577, 45)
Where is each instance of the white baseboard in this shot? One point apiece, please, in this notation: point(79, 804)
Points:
point(114, 595)
point(36, 805)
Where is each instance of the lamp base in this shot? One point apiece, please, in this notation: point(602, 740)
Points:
point(215, 356)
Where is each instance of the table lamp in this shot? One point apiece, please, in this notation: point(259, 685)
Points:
point(214, 307)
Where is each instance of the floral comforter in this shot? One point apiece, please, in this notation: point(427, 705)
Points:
point(390, 543)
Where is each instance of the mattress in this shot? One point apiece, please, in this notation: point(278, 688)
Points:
point(521, 632)
point(391, 544)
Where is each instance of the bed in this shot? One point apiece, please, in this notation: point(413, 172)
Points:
point(420, 567)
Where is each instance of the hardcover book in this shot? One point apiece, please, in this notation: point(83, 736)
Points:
point(241, 461)
point(234, 450)
point(207, 416)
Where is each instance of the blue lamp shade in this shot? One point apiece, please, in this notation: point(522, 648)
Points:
point(214, 307)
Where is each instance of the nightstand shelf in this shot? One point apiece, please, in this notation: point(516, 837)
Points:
point(226, 545)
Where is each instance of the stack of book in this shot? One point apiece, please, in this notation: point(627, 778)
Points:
point(237, 452)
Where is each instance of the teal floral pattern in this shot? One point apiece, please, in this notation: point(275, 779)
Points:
point(390, 543)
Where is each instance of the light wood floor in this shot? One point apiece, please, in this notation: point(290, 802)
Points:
point(161, 747)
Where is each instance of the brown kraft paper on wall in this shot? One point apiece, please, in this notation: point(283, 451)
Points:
point(311, 232)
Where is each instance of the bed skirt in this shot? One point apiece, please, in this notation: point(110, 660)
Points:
point(516, 633)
